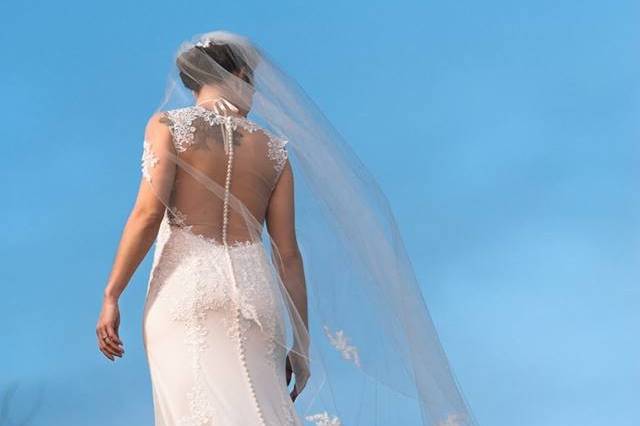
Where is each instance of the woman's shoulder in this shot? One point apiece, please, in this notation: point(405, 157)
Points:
point(171, 120)
point(159, 124)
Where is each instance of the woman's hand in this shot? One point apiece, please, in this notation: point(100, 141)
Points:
point(107, 330)
point(298, 366)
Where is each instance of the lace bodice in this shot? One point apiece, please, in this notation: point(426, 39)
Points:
point(217, 173)
point(186, 122)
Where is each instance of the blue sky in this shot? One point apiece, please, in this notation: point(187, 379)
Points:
point(503, 133)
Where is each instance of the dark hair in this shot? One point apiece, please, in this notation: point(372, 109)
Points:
point(196, 66)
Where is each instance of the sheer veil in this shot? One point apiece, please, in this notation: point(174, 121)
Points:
point(371, 347)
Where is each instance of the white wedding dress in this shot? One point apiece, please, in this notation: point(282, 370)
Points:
point(213, 316)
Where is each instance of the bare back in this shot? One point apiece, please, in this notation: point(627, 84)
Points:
point(228, 167)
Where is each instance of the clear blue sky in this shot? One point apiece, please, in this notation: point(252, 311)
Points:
point(518, 203)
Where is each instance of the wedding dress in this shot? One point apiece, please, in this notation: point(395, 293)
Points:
point(223, 312)
point(212, 316)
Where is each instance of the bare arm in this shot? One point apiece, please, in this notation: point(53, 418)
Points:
point(137, 237)
point(139, 233)
point(288, 260)
point(281, 226)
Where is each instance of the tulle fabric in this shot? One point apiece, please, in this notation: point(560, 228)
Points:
point(372, 349)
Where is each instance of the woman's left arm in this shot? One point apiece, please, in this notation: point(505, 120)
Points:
point(140, 230)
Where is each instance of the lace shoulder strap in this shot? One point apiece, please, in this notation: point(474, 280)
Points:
point(277, 150)
point(182, 127)
point(180, 122)
point(276, 145)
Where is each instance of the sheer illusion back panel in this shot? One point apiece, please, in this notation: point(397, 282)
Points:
point(249, 170)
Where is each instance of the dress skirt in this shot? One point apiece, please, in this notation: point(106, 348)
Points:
point(213, 330)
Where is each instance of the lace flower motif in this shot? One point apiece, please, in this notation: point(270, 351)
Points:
point(149, 159)
point(201, 408)
point(184, 123)
point(341, 342)
point(178, 218)
point(277, 151)
point(323, 419)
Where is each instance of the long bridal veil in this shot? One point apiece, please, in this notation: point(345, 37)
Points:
point(373, 353)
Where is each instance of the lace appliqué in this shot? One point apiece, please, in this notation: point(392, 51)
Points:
point(201, 410)
point(277, 152)
point(198, 262)
point(242, 299)
point(149, 160)
point(323, 419)
point(341, 342)
point(182, 122)
point(453, 420)
point(177, 218)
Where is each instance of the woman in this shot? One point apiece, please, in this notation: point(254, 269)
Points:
point(227, 324)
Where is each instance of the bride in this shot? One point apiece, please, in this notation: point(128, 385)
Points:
point(235, 324)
